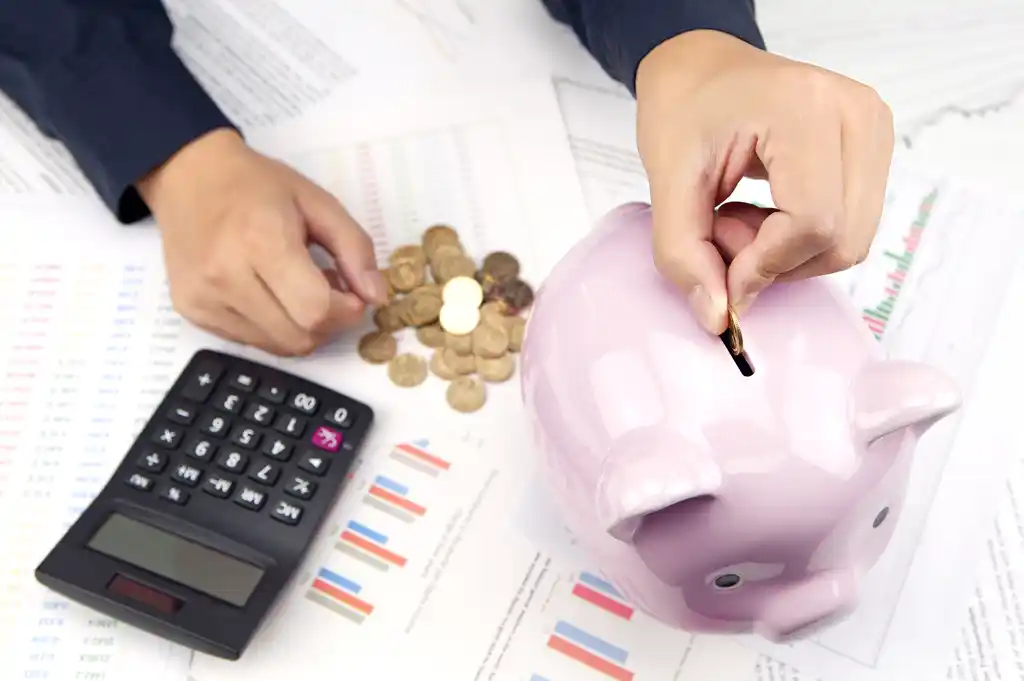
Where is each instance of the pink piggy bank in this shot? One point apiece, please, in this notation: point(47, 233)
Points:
point(718, 501)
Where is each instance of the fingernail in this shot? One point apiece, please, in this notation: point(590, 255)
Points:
point(708, 311)
point(376, 287)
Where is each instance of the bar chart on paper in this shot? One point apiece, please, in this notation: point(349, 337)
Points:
point(87, 349)
point(579, 626)
point(371, 545)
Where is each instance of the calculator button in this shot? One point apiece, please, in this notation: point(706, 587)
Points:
point(218, 486)
point(244, 381)
point(267, 473)
point(174, 494)
point(304, 402)
point(276, 448)
point(341, 417)
point(326, 438)
point(250, 498)
point(229, 402)
point(214, 424)
point(260, 413)
point(140, 482)
point(314, 462)
point(287, 512)
point(154, 462)
point(182, 413)
point(201, 448)
point(167, 436)
point(186, 474)
point(290, 425)
point(246, 437)
point(232, 460)
point(272, 393)
point(202, 381)
point(300, 487)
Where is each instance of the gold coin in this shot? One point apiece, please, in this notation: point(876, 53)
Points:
point(407, 370)
point(493, 309)
point(377, 347)
point(410, 253)
point(501, 266)
point(460, 344)
point(516, 331)
point(440, 367)
point(443, 252)
point(439, 234)
point(405, 277)
point(735, 338)
point(459, 363)
point(432, 335)
point(462, 291)
point(459, 320)
point(389, 317)
point(447, 269)
point(422, 307)
point(466, 394)
point(490, 340)
point(496, 369)
point(431, 287)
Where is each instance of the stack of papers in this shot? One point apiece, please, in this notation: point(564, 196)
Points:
point(412, 112)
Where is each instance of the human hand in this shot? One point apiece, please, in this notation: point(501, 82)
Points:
point(236, 226)
point(711, 110)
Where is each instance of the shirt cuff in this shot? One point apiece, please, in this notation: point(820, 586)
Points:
point(122, 110)
point(639, 26)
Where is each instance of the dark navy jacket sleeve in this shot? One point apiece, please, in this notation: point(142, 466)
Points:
point(102, 77)
point(620, 33)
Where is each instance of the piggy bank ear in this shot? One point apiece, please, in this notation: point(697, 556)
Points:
point(889, 396)
point(647, 470)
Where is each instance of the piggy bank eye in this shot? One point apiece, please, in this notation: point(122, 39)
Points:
point(730, 580)
point(880, 518)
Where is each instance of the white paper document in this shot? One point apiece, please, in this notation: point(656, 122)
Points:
point(87, 348)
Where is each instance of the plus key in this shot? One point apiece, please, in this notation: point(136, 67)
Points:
point(326, 438)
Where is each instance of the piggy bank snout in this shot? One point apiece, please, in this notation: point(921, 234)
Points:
point(799, 608)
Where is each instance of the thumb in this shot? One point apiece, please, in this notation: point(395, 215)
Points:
point(684, 252)
point(332, 227)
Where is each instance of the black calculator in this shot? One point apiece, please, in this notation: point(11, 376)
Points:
point(208, 517)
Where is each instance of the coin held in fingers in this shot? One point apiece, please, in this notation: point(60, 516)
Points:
point(735, 336)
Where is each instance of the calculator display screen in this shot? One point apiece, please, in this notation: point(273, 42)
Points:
point(180, 560)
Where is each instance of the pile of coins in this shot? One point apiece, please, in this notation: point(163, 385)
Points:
point(470, 318)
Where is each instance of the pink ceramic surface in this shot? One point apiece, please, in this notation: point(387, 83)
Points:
point(717, 501)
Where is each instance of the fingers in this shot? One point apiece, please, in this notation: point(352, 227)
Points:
point(332, 227)
point(805, 169)
point(229, 325)
point(735, 227)
point(867, 143)
point(683, 213)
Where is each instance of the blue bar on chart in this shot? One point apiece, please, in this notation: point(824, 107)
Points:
point(602, 594)
point(589, 650)
point(368, 546)
point(390, 496)
point(339, 595)
point(415, 456)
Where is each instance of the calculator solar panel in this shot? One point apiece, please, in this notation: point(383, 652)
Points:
point(216, 503)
